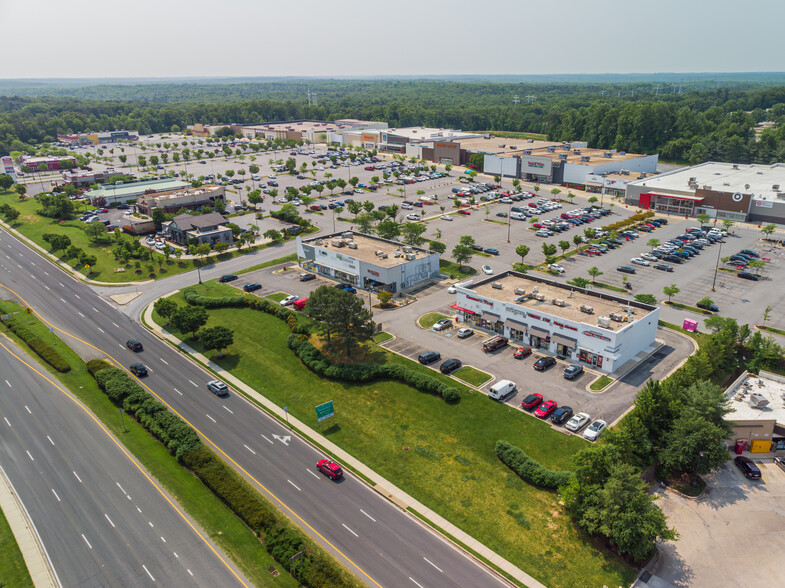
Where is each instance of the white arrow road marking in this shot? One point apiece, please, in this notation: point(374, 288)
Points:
point(285, 439)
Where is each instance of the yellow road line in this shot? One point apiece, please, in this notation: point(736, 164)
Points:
point(205, 437)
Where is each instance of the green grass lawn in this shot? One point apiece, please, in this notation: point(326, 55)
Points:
point(681, 306)
point(441, 454)
point(472, 376)
point(382, 337)
point(600, 383)
point(13, 571)
point(490, 220)
point(218, 522)
point(610, 287)
point(450, 267)
point(281, 260)
point(277, 296)
point(426, 321)
point(771, 330)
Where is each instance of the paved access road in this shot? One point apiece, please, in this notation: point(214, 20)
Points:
point(102, 520)
point(379, 543)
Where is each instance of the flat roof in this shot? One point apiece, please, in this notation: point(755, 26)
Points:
point(305, 125)
point(429, 133)
point(367, 247)
point(137, 188)
point(769, 389)
point(498, 145)
point(723, 177)
point(602, 303)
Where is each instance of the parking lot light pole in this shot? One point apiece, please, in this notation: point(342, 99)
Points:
point(509, 220)
point(716, 266)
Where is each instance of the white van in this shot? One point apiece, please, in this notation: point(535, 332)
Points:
point(518, 215)
point(501, 389)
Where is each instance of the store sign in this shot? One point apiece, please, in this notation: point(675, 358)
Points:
point(563, 326)
point(446, 145)
point(488, 302)
point(596, 335)
point(763, 204)
point(537, 164)
point(532, 315)
point(373, 272)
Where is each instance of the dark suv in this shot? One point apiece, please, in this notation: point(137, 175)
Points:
point(450, 366)
point(428, 357)
point(227, 278)
point(138, 370)
point(544, 363)
point(747, 467)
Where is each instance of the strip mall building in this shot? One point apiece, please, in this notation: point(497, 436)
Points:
point(607, 332)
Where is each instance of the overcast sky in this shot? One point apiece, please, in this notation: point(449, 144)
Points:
point(159, 38)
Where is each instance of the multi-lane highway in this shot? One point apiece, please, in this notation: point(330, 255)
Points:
point(382, 545)
point(103, 521)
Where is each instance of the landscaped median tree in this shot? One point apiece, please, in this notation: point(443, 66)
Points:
point(412, 233)
point(165, 307)
point(646, 299)
point(671, 290)
point(57, 242)
point(462, 254)
point(767, 231)
point(218, 338)
point(522, 250)
point(340, 315)
point(594, 272)
point(189, 319)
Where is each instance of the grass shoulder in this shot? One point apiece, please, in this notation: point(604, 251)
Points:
point(14, 570)
point(382, 337)
point(472, 376)
point(600, 383)
point(450, 267)
point(768, 329)
point(681, 306)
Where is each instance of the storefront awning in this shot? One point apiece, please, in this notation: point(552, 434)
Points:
point(456, 307)
point(516, 325)
point(566, 341)
point(594, 184)
point(490, 316)
point(538, 332)
point(675, 197)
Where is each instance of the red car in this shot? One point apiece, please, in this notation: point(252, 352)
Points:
point(531, 401)
point(329, 468)
point(522, 352)
point(463, 211)
point(545, 409)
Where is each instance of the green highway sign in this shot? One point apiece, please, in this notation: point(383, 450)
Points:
point(324, 411)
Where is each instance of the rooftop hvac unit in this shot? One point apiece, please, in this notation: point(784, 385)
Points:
point(551, 149)
point(383, 256)
point(535, 289)
point(627, 308)
point(585, 158)
point(563, 156)
point(513, 146)
point(576, 151)
point(587, 309)
point(540, 297)
point(530, 140)
point(622, 153)
point(496, 285)
point(407, 249)
point(379, 253)
point(775, 187)
point(409, 256)
point(735, 166)
point(608, 154)
point(347, 235)
point(693, 179)
point(338, 243)
point(558, 302)
point(619, 318)
point(520, 291)
point(397, 253)
point(351, 245)
point(758, 400)
point(604, 322)
point(706, 187)
point(527, 151)
point(566, 147)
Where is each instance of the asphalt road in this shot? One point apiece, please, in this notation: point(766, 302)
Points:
point(379, 543)
point(102, 520)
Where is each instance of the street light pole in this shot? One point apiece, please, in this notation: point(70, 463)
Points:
point(716, 266)
point(509, 220)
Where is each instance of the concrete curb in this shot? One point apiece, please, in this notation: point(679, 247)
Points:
point(380, 484)
point(33, 551)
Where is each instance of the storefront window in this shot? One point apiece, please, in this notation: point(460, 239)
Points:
point(591, 358)
point(517, 335)
point(563, 350)
point(540, 342)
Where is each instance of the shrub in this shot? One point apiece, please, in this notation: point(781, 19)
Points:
point(530, 470)
point(41, 347)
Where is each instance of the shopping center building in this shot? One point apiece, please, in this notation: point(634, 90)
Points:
point(610, 333)
point(367, 262)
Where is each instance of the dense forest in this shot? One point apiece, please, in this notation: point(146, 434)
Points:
point(690, 125)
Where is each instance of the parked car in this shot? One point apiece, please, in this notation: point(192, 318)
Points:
point(594, 430)
point(626, 269)
point(544, 363)
point(218, 388)
point(492, 251)
point(748, 276)
point(747, 467)
point(487, 270)
point(446, 217)
point(138, 370)
point(329, 468)
point(134, 345)
point(429, 357)
point(522, 352)
point(555, 267)
point(531, 401)
point(664, 267)
point(464, 332)
point(289, 300)
point(442, 324)
point(449, 366)
point(252, 287)
point(306, 277)
point(577, 422)
point(561, 414)
point(573, 371)
point(708, 306)
point(639, 261)
point(545, 409)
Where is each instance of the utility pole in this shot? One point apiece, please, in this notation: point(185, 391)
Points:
point(717, 265)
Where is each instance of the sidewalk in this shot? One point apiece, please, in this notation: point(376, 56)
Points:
point(26, 535)
point(382, 486)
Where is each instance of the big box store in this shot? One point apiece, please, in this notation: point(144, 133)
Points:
point(600, 330)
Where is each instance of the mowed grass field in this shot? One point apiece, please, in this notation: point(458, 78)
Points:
point(441, 454)
point(13, 571)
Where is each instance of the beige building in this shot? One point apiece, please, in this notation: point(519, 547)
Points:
point(758, 413)
point(172, 201)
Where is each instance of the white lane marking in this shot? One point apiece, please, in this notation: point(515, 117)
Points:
point(64, 302)
point(121, 347)
point(116, 325)
point(211, 418)
point(176, 390)
point(139, 509)
point(46, 272)
point(249, 449)
point(347, 528)
point(416, 582)
point(110, 520)
point(192, 382)
point(148, 572)
point(7, 422)
point(164, 540)
point(268, 440)
point(151, 524)
point(80, 314)
point(163, 360)
point(95, 309)
point(310, 472)
point(77, 476)
point(50, 440)
point(9, 384)
point(295, 485)
point(100, 329)
point(433, 564)
point(77, 295)
point(56, 496)
point(45, 286)
point(19, 266)
point(61, 284)
point(175, 554)
point(121, 488)
point(32, 263)
point(86, 541)
point(189, 571)
point(30, 456)
point(367, 515)
point(229, 409)
point(27, 408)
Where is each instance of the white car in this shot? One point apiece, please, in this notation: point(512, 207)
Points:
point(272, 176)
point(413, 217)
point(555, 267)
point(639, 261)
point(289, 299)
point(464, 332)
point(577, 421)
point(487, 270)
point(594, 430)
point(506, 200)
point(649, 256)
point(359, 191)
point(407, 207)
point(446, 217)
point(128, 212)
point(452, 290)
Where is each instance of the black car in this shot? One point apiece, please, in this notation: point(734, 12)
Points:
point(626, 269)
point(544, 363)
point(449, 366)
point(429, 357)
point(478, 247)
point(708, 306)
point(748, 276)
point(307, 277)
point(663, 267)
point(749, 252)
point(609, 244)
point(747, 467)
point(561, 415)
point(572, 371)
point(672, 258)
point(138, 370)
point(252, 287)
point(134, 345)
point(227, 278)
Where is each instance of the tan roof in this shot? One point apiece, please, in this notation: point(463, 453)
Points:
point(367, 248)
point(498, 145)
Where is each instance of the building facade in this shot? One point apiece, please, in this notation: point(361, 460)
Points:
point(52, 163)
point(123, 192)
point(367, 262)
point(204, 228)
point(600, 330)
point(190, 198)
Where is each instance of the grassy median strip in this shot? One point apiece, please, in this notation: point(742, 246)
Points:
point(441, 454)
point(610, 287)
point(472, 376)
point(771, 330)
point(382, 337)
point(426, 321)
point(277, 296)
point(600, 383)
point(281, 260)
point(13, 571)
point(233, 537)
point(450, 267)
point(681, 306)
